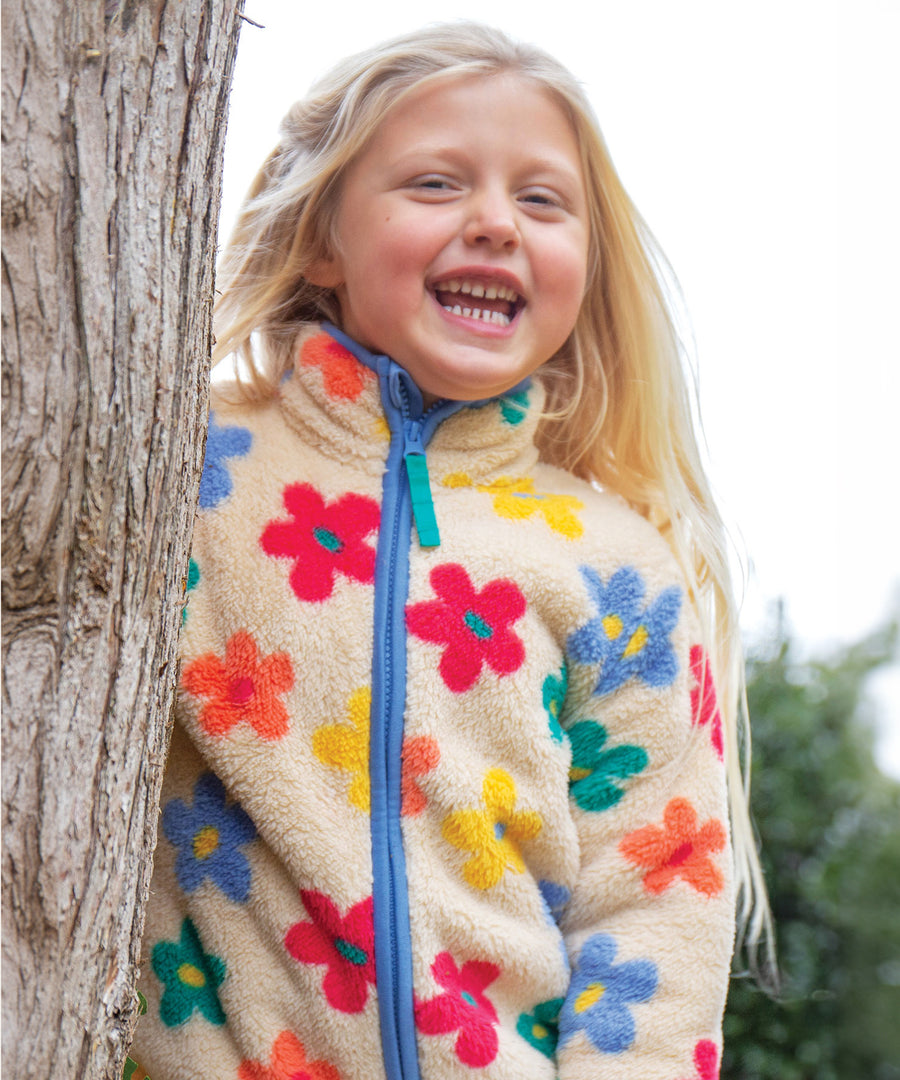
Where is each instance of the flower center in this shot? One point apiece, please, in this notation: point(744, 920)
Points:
point(612, 626)
point(191, 975)
point(240, 691)
point(206, 840)
point(468, 999)
point(539, 1031)
point(351, 953)
point(499, 830)
point(328, 540)
point(477, 625)
point(589, 997)
point(637, 642)
point(576, 774)
point(681, 854)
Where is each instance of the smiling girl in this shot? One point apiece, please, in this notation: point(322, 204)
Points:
point(447, 788)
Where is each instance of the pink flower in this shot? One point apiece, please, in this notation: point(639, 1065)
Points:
point(345, 943)
point(323, 541)
point(704, 704)
point(463, 1008)
point(706, 1060)
point(473, 626)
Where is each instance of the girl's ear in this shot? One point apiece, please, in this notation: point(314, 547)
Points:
point(326, 273)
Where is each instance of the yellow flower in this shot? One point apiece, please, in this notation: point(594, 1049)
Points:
point(346, 746)
point(493, 835)
point(515, 499)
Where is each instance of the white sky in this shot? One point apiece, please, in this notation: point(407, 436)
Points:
point(760, 143)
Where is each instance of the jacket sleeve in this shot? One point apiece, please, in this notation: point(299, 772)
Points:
point(649, 926)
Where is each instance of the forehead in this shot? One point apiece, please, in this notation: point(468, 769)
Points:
point(472, 110)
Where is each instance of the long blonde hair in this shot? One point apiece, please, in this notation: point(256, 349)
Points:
point(619, 402)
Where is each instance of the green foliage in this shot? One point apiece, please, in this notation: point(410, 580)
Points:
point(829, 826)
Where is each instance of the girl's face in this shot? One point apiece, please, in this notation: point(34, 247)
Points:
point(462, 236)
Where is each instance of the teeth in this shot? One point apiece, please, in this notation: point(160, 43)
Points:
point(477, 289)
point(483, 315)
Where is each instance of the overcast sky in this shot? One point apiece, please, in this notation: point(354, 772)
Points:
point(759, 142)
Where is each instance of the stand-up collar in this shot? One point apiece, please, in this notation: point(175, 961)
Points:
point(333, 397)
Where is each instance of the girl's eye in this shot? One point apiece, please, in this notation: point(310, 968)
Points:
point(431, 183)
point(542, 198)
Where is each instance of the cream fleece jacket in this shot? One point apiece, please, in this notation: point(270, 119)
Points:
point(465, 819)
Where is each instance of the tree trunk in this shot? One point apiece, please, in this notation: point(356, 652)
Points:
point(113, 131)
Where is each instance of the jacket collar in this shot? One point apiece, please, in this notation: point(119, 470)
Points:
point(333, 396)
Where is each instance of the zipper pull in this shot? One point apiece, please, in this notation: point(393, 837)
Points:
point(420, 486)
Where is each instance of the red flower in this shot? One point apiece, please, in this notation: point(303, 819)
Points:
point(343, 376)
point(463, 1008)
point(706, 1060)
point(704, 704)
point(676, 849)
point(473, 626)
point(345, 943)
point(242, 688)
point(288, 1063)
point(323, 540)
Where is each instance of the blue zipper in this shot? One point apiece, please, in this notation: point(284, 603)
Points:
point(405, 493)
point(411, 431)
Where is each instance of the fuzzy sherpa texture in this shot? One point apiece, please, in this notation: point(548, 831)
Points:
point(563, 813)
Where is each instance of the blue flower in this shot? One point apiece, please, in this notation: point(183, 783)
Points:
point(221, 443)
point(208, 836)
point(625, 638)
point(600, 993)
point(555, 897)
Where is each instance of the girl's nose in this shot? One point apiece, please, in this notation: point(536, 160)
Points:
point(492, 224)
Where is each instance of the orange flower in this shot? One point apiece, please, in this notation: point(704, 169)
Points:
point(678, 848)
point(342, 374)
point(420, 755)
point(243, 688)
point(288, 1063)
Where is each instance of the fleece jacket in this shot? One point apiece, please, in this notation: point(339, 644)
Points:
point(445, 795)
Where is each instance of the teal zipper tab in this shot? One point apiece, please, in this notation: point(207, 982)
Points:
point(422, 503)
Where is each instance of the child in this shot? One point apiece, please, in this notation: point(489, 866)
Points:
point(446, 794)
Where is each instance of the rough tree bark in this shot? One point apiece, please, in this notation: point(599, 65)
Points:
point(113, 129)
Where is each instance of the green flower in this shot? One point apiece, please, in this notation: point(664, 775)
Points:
point(541, 1027)
point(190, 977)
point(554, 690)
point(594, 770)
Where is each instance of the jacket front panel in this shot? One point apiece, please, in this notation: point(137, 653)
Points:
point(261, 927)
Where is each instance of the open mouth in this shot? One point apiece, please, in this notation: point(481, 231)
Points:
point(487, 301)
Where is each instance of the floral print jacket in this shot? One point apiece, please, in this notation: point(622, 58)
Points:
point(445, 795)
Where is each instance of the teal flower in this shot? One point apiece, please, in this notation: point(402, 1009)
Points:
point(541, 1026)
point(193, 579)
point(554, 691)
point(190, 978)
point(595, 770)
